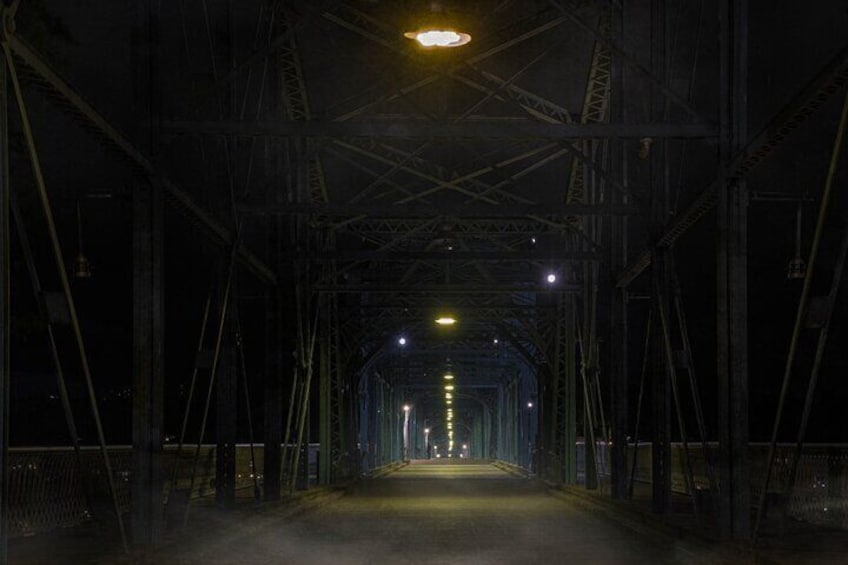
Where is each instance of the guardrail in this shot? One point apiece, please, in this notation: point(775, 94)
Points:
point(820, 494)
point(50, 489)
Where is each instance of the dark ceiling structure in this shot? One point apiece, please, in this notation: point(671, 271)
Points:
point(279, 198)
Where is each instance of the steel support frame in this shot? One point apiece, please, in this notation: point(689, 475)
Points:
point(147, 511)
point(226, 406)
point(732, 282)
point(660, 275)
point(5, 305)
point(618, 317)
point(148, 366)
point(277, 366)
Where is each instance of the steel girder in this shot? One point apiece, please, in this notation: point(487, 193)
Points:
point(418, 129)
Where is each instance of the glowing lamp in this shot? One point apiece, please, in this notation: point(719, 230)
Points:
point(438, 38)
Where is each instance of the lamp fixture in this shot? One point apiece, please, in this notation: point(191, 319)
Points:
point(445, 320)
point(437, 26)
point(438, 38)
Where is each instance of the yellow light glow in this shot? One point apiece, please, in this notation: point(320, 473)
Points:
point(448, 387)
point(448, 377)
point(450, 402)
point(446, 321)
point(448, 396)
point(430, 38)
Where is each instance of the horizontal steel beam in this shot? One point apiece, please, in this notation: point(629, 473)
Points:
point(443, 289)
point(482, 211)
point(438, 256)
point(488, 129)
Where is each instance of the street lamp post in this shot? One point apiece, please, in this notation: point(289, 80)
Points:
point(427, 442)
point(406, 410)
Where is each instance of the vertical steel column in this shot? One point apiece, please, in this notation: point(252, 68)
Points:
point(226, 417)
point(4, 310)
point(570, 394)
point(324, 420)
point(618, 311)
point(660, 395)
point(148, 301)
point(148, 365)
point(659, 179)
point(732, 281)
point(273, 398)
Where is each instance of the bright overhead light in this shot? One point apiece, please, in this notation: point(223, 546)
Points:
point(529, 405)
point(449, 402)
point(426, 430)
point(551, 278)
point(449, 387)
point(401, 340)
point(448, 377)
point(407, 407)
point(448, 395)
point(446, 321)
point(439, 38)
point(464, 446)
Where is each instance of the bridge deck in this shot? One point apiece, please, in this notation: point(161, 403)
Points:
point(433, 512)
point(441, 513)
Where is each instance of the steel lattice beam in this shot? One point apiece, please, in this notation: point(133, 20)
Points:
point(483, 128)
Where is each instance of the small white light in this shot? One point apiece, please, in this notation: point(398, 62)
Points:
point(448, 377)
point(529, 405)
point(551, 278)
point(449, 387)
point(426, 430)
point(446, 321)
point(532, 240)
point(406, 407)
point(401, 340)
point(495, 341)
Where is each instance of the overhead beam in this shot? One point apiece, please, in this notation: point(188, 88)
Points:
point(477, 129)
point(443, 289)
point(478, 211)
point(400, 256)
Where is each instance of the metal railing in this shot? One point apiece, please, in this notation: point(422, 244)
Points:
point(50, 489)
point(819, 496)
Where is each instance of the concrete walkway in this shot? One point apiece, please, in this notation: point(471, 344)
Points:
point(438, 513)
